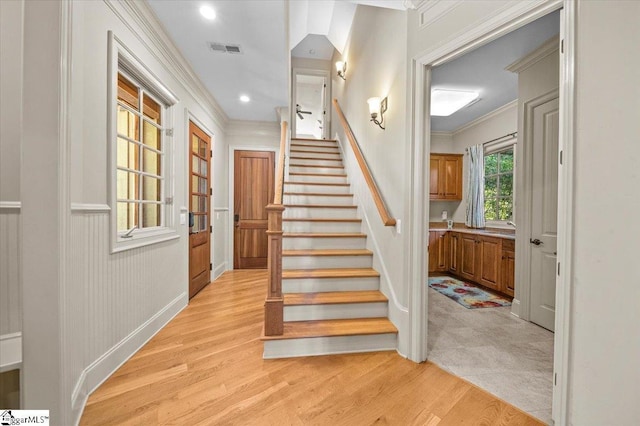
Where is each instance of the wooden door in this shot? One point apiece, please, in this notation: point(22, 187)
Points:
point(434, 172)
point(452, 182)
point(468, 256)
point(199, 208)
point(253, 190)
point(490, 250)
point(454, 240)
point(544, 213)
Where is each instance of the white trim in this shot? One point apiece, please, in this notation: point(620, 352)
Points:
point(10, 351)
point(326, 126)
point(504, 21)
point(89, 208)
point(487, 116)
point(431, 11)
point(102, 368)
point(545, 49)
point(515, 307)
point(219, 270)
point(232, 151)
point(221, 209)
point(10, 205)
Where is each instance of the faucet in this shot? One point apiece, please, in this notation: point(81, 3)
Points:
point(511, 223)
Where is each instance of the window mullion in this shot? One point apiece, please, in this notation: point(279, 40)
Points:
point(141, 154)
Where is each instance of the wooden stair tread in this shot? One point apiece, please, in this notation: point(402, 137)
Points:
point(330, 273)
point(315, 152)
point(334, 298)
point(318, 194)
point(309, 219)
point(313, 140)
point(318, 174)
point(288, 182)
point(327, 252)
point(320, 166)
point(320, 206)
point(335, 327)
point(327, 145)
point(324, 235)
point(316, 158)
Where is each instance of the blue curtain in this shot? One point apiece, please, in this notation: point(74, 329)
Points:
point(475, 188)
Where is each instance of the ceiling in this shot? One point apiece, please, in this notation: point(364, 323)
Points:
point(483, 70)
point(314, 46)
point(260, 71)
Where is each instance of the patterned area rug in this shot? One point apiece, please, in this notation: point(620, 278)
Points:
point(466, 294)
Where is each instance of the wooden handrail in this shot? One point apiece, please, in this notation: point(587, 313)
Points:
point(274, 303)
point(277, 200)
point(375, 192)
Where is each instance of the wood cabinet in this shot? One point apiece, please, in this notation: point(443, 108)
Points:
point(445, 182)
point(508, 268)
point(489, 261)
point(438, 251)
point(454, 256)
point(468, 256)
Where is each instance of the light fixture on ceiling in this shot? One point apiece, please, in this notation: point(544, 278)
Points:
point(446, 102)
point(207, 12)
point(377, 106)
point(244, 98)
point(342, 69)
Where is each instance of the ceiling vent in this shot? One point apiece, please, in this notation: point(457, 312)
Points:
point(225, 48)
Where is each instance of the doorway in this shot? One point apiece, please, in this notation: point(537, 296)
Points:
point(199, 209)
point(310, 89)
point(253, 190)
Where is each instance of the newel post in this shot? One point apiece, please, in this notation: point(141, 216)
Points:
point(273, 305)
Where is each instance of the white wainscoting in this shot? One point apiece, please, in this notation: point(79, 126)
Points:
point(114, 303)
point(10, 294)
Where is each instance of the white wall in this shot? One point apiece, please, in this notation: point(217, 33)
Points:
point(109, 304)
point(376, 57)
point(605, 331)
point(11, 18)
point(312, 64)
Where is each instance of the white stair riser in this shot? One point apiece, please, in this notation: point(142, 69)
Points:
point(319, 227)
point(322, 243)
point(317, 285)
point(318, 199)
point(315, 162)
point(306, 148)
point(323, 262)
point(319, 213)
point(320, 179)
point(325, 189)
point(321, 142)
point(329, 345)
point(335, 311)
point(306, 153)
point(327, 170)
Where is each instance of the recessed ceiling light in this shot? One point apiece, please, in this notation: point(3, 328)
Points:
point(446, 102)
point(208, 12)
point(244, 98)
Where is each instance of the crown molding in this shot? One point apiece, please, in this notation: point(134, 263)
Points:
point(487, 116)
point(442, 133)
point(137, 15)
point(547, 48)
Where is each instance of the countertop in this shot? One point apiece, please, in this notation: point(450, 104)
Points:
point(507, 234)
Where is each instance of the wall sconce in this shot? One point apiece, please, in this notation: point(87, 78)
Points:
point(377, 106)
point(342, 69)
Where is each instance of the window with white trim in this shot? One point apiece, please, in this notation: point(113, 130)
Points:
point(498, 184)
point(141, 165)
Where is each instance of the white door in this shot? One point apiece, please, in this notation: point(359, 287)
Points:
point(544, 213)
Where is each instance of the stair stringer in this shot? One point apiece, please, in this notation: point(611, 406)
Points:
point(398, 314)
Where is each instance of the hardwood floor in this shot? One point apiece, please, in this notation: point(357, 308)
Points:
point(205, 367)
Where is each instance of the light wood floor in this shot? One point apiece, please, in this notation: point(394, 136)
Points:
point(205, 367)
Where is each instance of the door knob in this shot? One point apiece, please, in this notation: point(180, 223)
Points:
point(536, 241)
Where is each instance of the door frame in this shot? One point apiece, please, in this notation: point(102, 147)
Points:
point(232, 153)
point(184, 209)
point(505, 21)
point(326, 128)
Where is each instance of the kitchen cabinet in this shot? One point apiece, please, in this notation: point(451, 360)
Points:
point(468, 256)
point(454, 257)
point(438, 251)
point(445, 177)
point(508, 268)
point(489, 261)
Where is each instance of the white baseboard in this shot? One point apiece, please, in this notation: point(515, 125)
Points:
point(102, 368)
point(515, 308)
point(10, 351)
point(219, 270)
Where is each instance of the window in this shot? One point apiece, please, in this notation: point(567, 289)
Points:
point(141, 166)
point(498, 185)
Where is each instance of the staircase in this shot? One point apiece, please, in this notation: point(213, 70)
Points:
point(332, 298)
